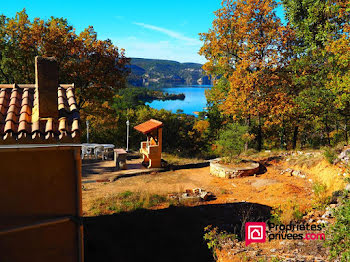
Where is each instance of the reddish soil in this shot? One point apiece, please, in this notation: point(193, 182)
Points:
point(176, 233)
point(271, 188)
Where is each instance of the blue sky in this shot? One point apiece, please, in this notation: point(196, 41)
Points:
point(150, 29)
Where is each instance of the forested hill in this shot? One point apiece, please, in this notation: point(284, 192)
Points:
point(153, 72)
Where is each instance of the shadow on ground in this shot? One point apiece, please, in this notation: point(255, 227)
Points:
point(97, 167)
point(172, 234)
point(93, 167)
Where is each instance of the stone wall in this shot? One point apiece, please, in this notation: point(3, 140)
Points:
point(219, 170)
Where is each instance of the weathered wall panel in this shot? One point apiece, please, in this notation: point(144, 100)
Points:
point(38, 186)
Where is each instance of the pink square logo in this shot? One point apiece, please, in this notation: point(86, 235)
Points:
point(255, 232)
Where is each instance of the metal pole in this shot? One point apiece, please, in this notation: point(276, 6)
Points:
point(87, 131)
point(127, 135)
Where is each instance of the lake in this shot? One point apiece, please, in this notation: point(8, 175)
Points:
point(195, 100)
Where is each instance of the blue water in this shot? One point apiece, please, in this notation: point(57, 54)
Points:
point(195, 100)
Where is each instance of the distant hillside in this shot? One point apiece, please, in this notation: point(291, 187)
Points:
point(153, 72)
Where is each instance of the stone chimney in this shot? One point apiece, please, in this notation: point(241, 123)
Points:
point(46, 81)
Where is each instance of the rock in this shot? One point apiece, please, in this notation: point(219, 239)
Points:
point(335, 196)
point(322, 221)
point(297, 173)
point(332, 206)
point(327, 214)
point(347, 187)
point(288, 171)
point(344, 156)
point(308, 154)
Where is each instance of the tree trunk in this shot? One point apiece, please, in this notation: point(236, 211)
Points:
point(283, 137)
point(346, 130)
point(248, 124)
point(259, 135)
point(295, 136)
point(327, 131)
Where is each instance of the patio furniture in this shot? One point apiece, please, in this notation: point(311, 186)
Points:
point(108, 151)
point(88, 150)
point(99, 152)
point(120, 158)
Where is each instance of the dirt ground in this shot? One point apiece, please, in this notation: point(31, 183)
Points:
point(176, 233)
point(271, 188)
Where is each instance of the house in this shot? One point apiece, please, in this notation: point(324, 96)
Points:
point(40, 169)
point(151, 149)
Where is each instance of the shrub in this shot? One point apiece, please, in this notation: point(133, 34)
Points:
point(330, 154)
point(230, 142)
point(338, 234)
point(286, 213)
point(276, 216)
point(216, 239)
point(321, 198)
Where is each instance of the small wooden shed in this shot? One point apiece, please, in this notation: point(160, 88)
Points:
point(40, 170)
point(151, 149)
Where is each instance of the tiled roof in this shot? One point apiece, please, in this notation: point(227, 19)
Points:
point(148, 126)
point(17, 127)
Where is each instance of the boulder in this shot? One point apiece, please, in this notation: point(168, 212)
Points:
point(347, 187)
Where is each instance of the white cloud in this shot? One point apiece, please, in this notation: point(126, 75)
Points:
point(160, 50)
point(173, 34)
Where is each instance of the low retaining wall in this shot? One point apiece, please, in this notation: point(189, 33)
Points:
point(220, 170)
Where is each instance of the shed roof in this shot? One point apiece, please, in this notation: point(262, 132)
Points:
point(148, 126)
point(17, 127)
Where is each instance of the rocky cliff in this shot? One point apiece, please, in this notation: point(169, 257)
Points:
point(153, 72)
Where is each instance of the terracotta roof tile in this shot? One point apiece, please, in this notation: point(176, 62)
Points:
point(16, 125)
point(25, 127)
point(148, 126)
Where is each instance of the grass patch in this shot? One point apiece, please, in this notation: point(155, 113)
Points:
point(330, 154)
point(306, 159)
point(287, 213)
point(253, 154)
point(172, 159)
point(321, 195)
point(125, 202)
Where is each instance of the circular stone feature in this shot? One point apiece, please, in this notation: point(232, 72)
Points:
point(248, 169)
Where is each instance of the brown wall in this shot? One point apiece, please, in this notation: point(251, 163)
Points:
point(53, 243)
point(40, 185)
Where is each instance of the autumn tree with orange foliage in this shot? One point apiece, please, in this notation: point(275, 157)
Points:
point(97, 67)
point(248, 48)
